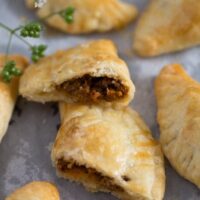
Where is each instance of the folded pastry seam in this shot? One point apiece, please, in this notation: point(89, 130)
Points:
point(91, 72)
point(178, 100)
point(122, 159)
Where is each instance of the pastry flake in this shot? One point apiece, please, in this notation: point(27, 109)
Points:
point(109, 150)
point(9, 92)
point(168, 26)
point(35, 191)
point(178, 98)
point(88, 73)
point(90, 15)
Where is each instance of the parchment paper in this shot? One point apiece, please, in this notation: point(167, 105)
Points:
point(25, 150)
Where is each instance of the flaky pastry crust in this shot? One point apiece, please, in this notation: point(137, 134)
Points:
point(90, 15)
point(9, 92)
point(167, 26)
point(73, 76)
point(36, 190)
point(178, 99)
point(109, 150)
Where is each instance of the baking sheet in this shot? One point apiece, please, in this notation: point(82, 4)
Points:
point(25, 150)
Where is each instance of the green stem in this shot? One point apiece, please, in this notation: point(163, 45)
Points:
point(18, 28)
point(5, 27)
point(13, 32)
point(23, 40)
point(9, 45)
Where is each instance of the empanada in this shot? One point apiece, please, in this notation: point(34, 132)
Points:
point(88, 73)
point(178, 98)
point(109, 150)
point(168, 26)
point(35, 191)
point(90, 15)
point(8, 93)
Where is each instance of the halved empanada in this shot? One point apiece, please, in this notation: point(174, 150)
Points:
point(35, 191)
point(168, 26)
point(9, 93)
point(109, 150)
point(178, 98)
point(90, 15)
point(89, 73)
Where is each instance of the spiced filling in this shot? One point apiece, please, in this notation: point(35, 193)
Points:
point(88, 88)
point(103, 181)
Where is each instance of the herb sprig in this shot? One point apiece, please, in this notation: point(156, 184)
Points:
point(29, 30)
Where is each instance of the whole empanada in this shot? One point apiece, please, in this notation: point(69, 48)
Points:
point(9, 93)
point(90, 15)
point(88, 73)
point(168, 26)
point(178, 98)
point(35, 191)
point(109, 150)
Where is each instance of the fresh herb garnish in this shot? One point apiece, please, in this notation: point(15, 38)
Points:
point(31, 30)
point(38, 52)
point(67, 15)
point(10, 70)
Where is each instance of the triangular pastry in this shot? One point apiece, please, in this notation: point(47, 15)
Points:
point(36, 190)
point(109, 150)
point(168, 26)
point(90, 15)
point(9, 92)
point(178, 98)
point(88, 73)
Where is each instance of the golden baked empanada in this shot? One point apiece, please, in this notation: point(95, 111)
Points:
point(109, 150)
point(168, 26)
point(178, 98)
point(91, 73)
point(35, 191)
point(8, 93)
point(89, 16)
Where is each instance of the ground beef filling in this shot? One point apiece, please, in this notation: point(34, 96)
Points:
point(88, 88)
point(103, 181)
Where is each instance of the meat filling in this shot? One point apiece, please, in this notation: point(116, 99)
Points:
point(103, 181)
point(88, 88)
